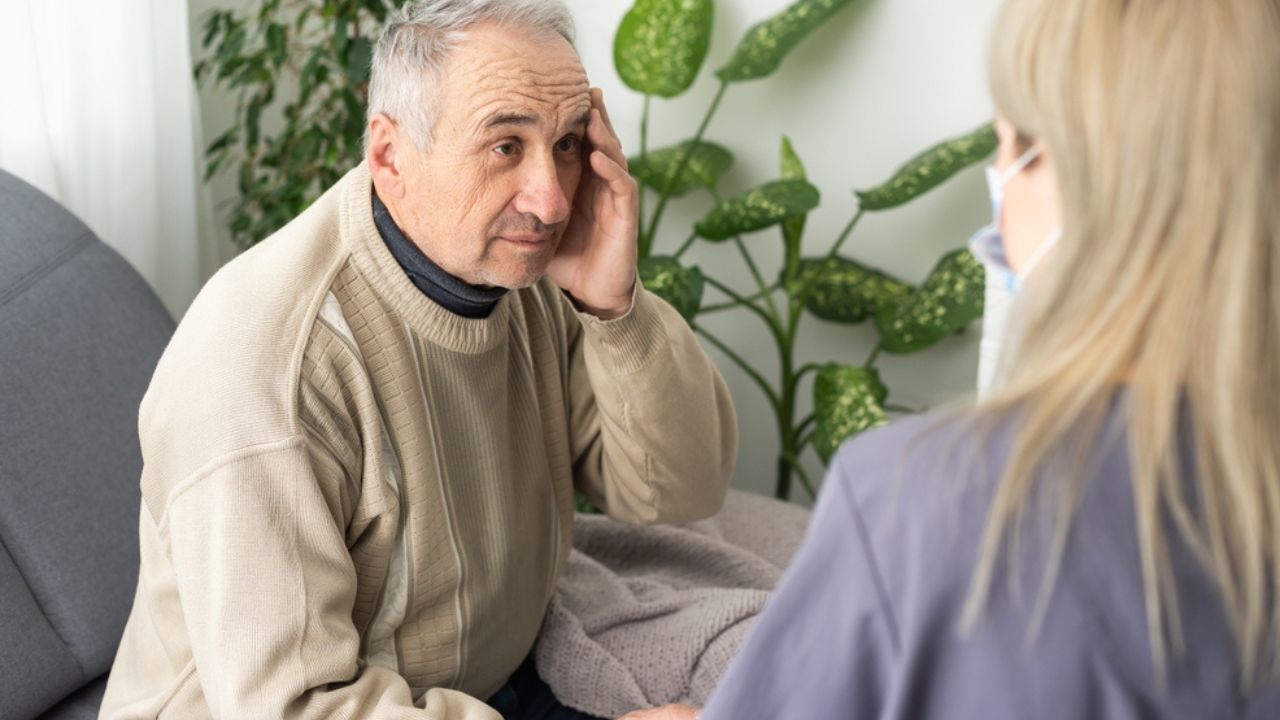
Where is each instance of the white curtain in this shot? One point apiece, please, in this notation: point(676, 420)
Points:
point(98, 110)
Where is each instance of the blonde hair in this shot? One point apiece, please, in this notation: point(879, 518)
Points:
point(1162, 118)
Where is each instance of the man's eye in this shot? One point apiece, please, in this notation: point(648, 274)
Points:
point(568, 144)
point(507, 149)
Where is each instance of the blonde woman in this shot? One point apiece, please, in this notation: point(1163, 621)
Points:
point(1100, 536)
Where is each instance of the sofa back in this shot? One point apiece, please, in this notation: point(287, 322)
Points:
point(80, 334)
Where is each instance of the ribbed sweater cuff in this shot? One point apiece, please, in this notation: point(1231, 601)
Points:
point(630, 341)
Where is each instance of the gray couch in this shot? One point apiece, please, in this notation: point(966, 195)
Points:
point(80, 334)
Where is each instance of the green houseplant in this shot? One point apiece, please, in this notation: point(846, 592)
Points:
point(324, 46)
point(659, 50)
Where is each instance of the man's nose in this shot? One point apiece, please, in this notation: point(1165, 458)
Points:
point(541, 195)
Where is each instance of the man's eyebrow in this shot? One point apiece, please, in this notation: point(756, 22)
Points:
point(510, 118)
point(524, 119)
point(583, 120)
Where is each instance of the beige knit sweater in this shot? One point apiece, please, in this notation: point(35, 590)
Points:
point(356, 504)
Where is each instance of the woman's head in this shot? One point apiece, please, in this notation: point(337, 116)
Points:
point(1160, 127)
point(1159, 122)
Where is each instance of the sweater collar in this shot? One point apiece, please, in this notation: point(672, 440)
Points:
point(372, 258)
point(455, 295)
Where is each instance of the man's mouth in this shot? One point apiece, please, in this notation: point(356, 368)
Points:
point(530, 241)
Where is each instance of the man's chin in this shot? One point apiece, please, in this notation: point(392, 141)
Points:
point(516, 276)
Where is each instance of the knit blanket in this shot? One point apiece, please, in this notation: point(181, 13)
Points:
point(652, 615)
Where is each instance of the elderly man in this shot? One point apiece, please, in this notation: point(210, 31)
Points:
point(362, 445)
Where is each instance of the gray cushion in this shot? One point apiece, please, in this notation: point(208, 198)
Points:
point(83, 704)
point(35, 667)
point(82, 334)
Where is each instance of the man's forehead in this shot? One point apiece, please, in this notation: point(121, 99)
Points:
point(519, 91)
point(526, 103)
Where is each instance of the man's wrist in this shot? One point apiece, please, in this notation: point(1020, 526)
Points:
point(612, 311)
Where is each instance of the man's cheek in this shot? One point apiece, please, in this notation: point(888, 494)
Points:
point(475, 193)
point(572, 181)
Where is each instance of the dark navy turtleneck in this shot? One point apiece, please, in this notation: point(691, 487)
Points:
point(454, 295)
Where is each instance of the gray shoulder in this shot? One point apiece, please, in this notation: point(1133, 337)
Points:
point(924, 453)
point(922, 487)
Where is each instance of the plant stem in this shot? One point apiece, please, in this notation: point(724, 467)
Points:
point(733, 304)
point(755, 273)
point(786, 413)
point(804, 441)
point(687, 244)
point(783, 489)
point(811, 367)
point(739, 300)
point(680, 168)
point(751, 264)
point(845, 234)
point(644, 128)
point(805, 423)
point(737, 359)
point(875, 354)
point(794, 464)
point(787, 429)
point(644, 154)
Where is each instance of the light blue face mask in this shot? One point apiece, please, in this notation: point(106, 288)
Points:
point(988, 243)
point(1003, 282)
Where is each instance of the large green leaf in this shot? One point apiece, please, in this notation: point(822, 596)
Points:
point(792, 169)
point(661, 44)
point(766, 43)
point(846, 291)
point(759, 208)
point(846, 401)
point(947, 302)
point(930, 169)
point(709, 162)
point(680, 286)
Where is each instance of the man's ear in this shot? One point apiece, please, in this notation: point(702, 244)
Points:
point(384, 140)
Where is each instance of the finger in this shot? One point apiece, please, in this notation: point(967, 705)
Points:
point(619, 182)
point(602, 128)
point(601, 112)
point(598, 101)
point(604, 141)
point(622, 187)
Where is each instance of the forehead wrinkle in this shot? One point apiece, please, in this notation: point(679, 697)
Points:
point(536, 108)
point(551, 85)
point(545, 89)
point(489, 71)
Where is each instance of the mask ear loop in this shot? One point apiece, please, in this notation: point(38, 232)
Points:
point(996, 180)
point(1020, 164)
point(1040, 253)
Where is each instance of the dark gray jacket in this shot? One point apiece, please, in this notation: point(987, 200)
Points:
point(865, 622)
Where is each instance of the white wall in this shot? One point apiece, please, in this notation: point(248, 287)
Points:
point(881, 81)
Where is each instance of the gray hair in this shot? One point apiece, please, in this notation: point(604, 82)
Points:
point(417, 40)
